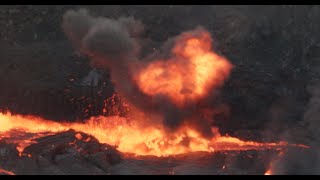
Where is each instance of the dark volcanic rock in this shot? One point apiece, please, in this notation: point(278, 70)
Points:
point(68, 152)
point(73, 152)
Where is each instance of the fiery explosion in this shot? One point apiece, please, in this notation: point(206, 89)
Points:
point(183, 81)
point(187, 77)
point(192, 71)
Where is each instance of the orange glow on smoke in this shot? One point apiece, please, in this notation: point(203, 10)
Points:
point(128, 136)
point(189, 74)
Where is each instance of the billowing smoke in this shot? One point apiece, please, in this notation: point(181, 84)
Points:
point(165, 83)
point(109, 43)
point(297, 160)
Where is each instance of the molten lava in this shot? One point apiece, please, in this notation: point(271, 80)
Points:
point(128, 136)
point(189, 74)
point(2, 171)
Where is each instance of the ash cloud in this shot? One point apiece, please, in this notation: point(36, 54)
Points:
point(109, 43)
point(115, 44)
point(102, 38)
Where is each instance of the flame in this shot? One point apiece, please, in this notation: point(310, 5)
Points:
point(126, 135)
point(268, 172)
point(189, 74)
point(271, 168)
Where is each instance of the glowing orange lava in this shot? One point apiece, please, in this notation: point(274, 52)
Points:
point(2, 171)
point(128, 136)
point(189, 74)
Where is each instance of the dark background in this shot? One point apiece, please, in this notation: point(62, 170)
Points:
point(274, 50)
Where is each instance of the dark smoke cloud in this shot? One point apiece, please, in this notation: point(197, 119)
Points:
point(114, 43)
point(110, 43)
point(102, 38)
point(297, 160)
